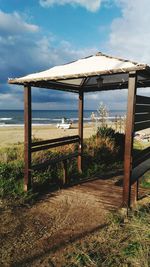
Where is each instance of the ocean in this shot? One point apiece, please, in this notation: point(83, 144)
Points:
point(47, 117)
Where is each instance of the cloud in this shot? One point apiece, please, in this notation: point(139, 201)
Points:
point(129, 38)
point(48, 96)
point(13, 23)
point(91, 5)
point(130, 35)
point(114, 100)
point(22, 53)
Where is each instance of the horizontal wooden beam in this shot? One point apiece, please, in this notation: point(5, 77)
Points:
point(144, 73)
point(142, 108)
point(141, 156)
point(142, 125)
point(47, 163)
point(55, 86)
point(142, 117)
point(62, 143)
point(142, 100)
point(114, 86)
point(140, 170)
point(56, 140)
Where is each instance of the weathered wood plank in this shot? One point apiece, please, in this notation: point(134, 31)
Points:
point(142, 99)
point(44, 147)
point(44, 165)
point(81, 107)
point(142, 117)
point(27, 137)
point(142, 125)
point(65, 172)
point(141, 156)
point(142, 108)
point(140, 170)
point(132, 88)
point(56, 140)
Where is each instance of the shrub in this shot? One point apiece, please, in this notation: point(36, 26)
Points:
point(104, 132)
point(11, 179)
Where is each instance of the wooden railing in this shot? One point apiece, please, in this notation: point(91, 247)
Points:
point(141, 162)
point(46, 144)
point(141, 156)
point(142, 113)
point(53, 143)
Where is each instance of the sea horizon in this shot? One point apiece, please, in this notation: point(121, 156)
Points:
point(15, 117)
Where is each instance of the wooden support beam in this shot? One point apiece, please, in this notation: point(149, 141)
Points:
point(142, 100)
point(129, 134)
point(65, 172)
point(63, 143)
point(27, 137)
point(55, 140)
point(81, 107)
point(45, 164)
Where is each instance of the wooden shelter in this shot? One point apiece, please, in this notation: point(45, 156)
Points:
point(94, 73)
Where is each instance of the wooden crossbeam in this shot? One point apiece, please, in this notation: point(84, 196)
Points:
point(141, 125)
point(55, 140)
point(53, 145)
point(140, 170)
point(142, 117)
point(142, 109)
point(44, 165)
point(141, 156)
point(142, 99)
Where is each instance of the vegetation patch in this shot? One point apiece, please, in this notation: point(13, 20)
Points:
point(117, 244)
point(101, 154)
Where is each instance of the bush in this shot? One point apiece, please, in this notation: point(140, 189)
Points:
point(104, 132)
point(11, 179)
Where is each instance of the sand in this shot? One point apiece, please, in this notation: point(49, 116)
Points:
point(14, 134)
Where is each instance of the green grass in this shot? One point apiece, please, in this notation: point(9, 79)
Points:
point(145, 180)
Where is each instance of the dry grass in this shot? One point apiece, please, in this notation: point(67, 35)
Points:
point(117, 244)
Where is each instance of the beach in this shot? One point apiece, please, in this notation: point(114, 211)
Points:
point(44, 124)
point(15, 134)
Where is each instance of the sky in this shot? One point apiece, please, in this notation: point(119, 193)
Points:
point(36, 35)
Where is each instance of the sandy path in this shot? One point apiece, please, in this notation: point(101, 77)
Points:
point(42, 235)
point(34, 236)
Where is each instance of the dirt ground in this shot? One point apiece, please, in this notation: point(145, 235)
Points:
point(39, 235)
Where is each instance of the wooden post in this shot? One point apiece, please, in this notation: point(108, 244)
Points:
point(27, 137)
point(80, 157)
point(129, 134)
point(65, 173)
